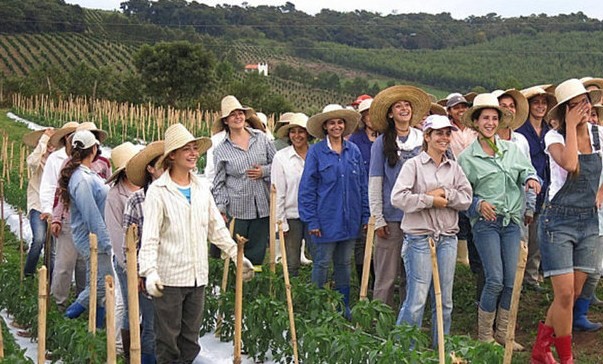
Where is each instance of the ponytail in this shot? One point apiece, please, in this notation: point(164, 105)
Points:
point(77, 155)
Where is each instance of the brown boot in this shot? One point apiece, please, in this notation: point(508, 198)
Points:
point(502, 325)
point(125, 341)
point(485, 321)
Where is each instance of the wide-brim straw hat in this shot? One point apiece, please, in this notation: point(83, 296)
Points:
point(569, 89)
point(418, 99)
point(487, 101)
point(58, 138)
point(591, 81)
point(177, 136)
point(137, 165)
point(33, 138)
point(333, 111)
point(297, 120)
point(120, 156)
point(522, 108)
point(437, 109)
point(533, 91)
point(599, 109)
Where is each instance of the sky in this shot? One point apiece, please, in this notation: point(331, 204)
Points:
point(459, 9)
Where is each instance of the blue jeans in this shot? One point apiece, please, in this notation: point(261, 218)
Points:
point(419, 273)
point(104, 268)
point(38, 231)
point(498, 248)
point(340, 253)
point(147, 337)
point(123, 287)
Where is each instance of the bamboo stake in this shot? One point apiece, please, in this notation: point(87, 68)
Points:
point(133, 304)
point(21, 258)
point(224, 285)
point(42, 308)
point(272, 223)
point(2, 222)
point(521, 266)
point(93, 287)
point(438, 299)
point(110, 306)
point(1, 345)
point(368, 252)
point(281, 237)
point(48, 253)
point(239, 300)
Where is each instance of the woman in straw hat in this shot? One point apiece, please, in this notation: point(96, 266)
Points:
point(394, 112)
point(287, 168)
point(569, 224)
point(121, 189)
point(497, 171)
point(431, 189)
point(84, 194)
point(141, 170)
point(180, 216)
point(38, 140)
point(242, 178)
point(333, 196)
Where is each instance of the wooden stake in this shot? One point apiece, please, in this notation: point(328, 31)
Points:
point(281, 237)
point(93, 280)
point(521, 266)
point(272, 223)
point(133, 304)
point(42, 308)
point(239, 299)
point(1, 345)
point(224, 280)
point(2, 221)
point(110, 307)
point(368, 253)
point(48, 253)
point(438, 299)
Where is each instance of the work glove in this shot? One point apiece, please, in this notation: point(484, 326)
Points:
point(248, 271)
point(154, 285)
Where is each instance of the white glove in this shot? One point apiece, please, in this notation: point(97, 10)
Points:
point(154, 285)
point(248, 271)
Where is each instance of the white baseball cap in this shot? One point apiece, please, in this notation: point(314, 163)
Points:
point(84, 139)
point(438, 122)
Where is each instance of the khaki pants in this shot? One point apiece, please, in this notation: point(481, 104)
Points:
point(533, 262)
point(388, 266)
point(67, 261)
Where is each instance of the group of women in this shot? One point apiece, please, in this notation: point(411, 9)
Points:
point(398, 166)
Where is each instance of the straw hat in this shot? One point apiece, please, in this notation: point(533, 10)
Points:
point(177, 136)
point(120, 156)
point(522, 108)
point(229, 104)
point(433, 98)
point(298, 119)
point(101, 135)
point(418, 99)
point(437, 109)
point(539, 90)
point(590, 81)
point(599, 109)
point(57, 139)
point(569, 89)
point(33, 138)
point(365, 105)
point(136, 167)
point(333, 111)
point(487, 101)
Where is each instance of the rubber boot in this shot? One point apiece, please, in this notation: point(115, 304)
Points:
point(502, 324)
point(100, 317)
point(148, 359)
point(125, 341)
point(75, 310)
point(462, 253)
point(541, 351)
point(485, 322)
point(595, 300)
point(564, 349)
point(581, 322)
point(345, 291)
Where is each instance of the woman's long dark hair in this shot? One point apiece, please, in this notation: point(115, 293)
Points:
point(148, 177)
point(390, 145)
point(77, 155)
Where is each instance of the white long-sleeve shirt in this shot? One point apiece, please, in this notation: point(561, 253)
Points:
point(50, 179)
point(176, 232)
point(287, 169)
point(35, 162)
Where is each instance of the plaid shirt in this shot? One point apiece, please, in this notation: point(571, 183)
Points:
point(133, 215)
point(234, 193)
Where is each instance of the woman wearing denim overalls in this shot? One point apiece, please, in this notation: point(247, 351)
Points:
point(569, 224)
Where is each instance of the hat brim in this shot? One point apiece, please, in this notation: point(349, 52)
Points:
point(437, 109)
point(203, 144)
point(315, 123)
point(115, 174)
point(250, 117)
point(32, 139)
point(504, 122)
point(553, 113)
point(283, 131)
point(418, 99)
point(57, 139)
point(137, 165)
point(522, 108)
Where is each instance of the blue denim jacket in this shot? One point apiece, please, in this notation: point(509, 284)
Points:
point(88, 193)
point(333, 194)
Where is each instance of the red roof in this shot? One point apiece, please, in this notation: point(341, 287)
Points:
point(251, 67)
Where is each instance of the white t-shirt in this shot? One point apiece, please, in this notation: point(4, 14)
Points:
point(558, 174)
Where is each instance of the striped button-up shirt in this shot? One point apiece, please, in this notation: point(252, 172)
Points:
point(175, 235)
point(234, 192)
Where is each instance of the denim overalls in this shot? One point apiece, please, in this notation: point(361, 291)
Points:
point(569, 225)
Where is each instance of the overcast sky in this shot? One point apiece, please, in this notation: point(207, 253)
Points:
point(459, 9)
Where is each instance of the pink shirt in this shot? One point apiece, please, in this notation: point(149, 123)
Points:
point(461, 139)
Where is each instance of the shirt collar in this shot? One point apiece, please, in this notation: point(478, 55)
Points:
point(425, 158)
point(478, 151)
